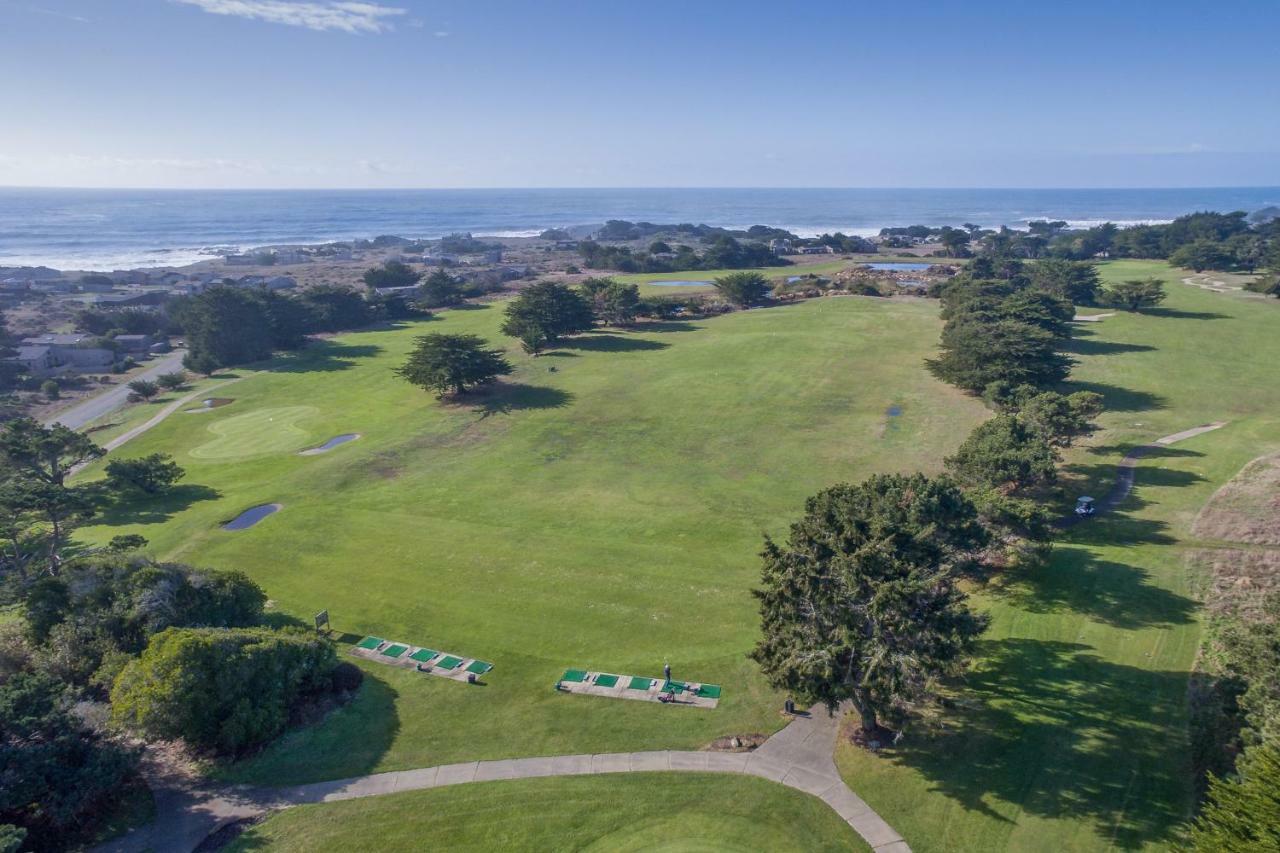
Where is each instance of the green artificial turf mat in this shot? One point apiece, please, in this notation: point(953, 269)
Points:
point(606, 680)
point(394, 651)
point(576, 676)
point(369, 643)
point(709, 691)
point(423, 655)
point(638, 683)
point(479, 667)
point(673, 687)
point(449, 662)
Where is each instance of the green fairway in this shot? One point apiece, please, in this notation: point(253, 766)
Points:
point(1071, 732)
point(647, 811)
point(602, 507)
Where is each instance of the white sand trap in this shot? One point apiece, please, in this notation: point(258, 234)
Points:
point(1092, 318)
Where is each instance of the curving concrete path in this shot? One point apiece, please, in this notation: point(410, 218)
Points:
point(1126, 470)
point(799, 756)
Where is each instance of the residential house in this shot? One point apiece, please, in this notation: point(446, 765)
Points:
point(133, 343)
point(36, 360)
point(63, 354)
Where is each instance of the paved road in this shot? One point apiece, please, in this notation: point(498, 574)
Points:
point(799, 756)
point(88, 411)
point(1127, 469)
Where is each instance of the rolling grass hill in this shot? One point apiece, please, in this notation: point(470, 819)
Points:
point(603, 508)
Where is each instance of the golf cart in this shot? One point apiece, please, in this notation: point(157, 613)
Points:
point(1085, 506)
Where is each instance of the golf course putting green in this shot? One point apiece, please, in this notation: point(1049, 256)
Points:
point(263, 431)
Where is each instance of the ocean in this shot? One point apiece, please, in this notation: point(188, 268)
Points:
point(121, 229)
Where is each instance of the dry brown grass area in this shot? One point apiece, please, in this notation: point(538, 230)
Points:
point(1247, 509)
point(1236, 580)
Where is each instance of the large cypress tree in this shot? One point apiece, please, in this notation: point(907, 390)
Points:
point(544, 313)
point(861, 603)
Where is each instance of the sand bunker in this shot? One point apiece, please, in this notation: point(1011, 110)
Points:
point(251, 516)
point(336, 441)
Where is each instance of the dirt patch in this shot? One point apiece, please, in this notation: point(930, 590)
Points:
point(1247, 509)
point(851, 730)
point(737, 743)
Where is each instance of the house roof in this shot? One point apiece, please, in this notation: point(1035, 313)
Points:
point(31, 353)
point(56, 340)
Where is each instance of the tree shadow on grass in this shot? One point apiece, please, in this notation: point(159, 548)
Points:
point(503, 398)
point(1075, 581)
point(155, 509)
point(1117, 399)
point(1153, 451)
point(1050, 730)
point(1084, 342)
point(607, 342)
point(350, 741)
point(323, 357)
point(668, 326)
point(1175, 314)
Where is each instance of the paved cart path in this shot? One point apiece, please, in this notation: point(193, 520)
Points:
point(799, 756)
point(1127, 468)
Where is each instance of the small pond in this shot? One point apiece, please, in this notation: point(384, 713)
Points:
point(332, 443)
point(251, 516)
point(679, 283)
point(893, 411)
point(898, 266)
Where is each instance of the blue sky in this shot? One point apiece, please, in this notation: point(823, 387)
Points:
point(407, 93)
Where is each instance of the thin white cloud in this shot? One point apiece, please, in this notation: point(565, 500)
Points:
point(54, 13)
point(441, 34)
point(347, 17)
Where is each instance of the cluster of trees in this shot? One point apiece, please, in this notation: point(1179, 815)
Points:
point(40, 508)
point(60, 778)
point(79, 631)
point(724, 252)
point(1008, 461)
point(222, 690)
point(236, 325)
point(125, 321)
point(1197, 241)
point(145, 389)
point(1003, 326)
point(1242, 730)
point(179, 652)
point(541, 316)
